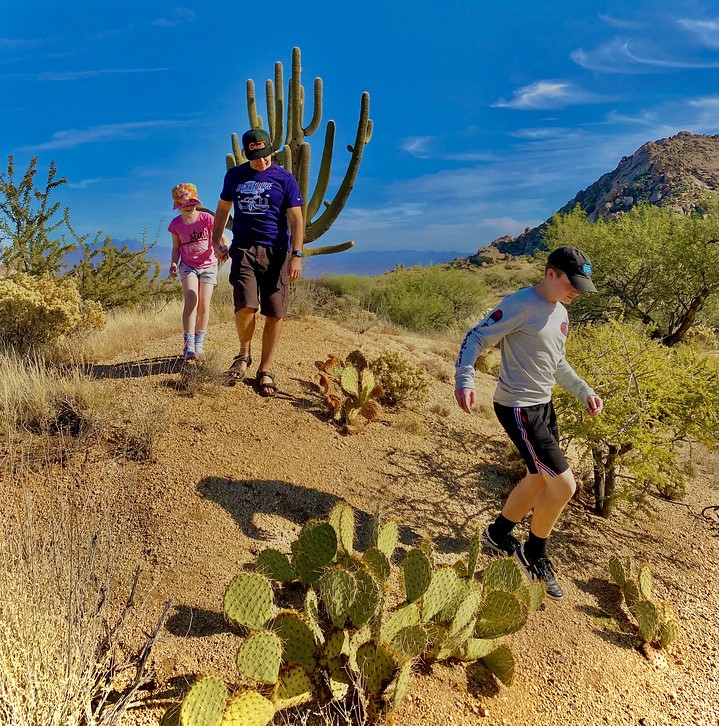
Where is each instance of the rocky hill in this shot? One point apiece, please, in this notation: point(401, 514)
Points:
point(673, 172)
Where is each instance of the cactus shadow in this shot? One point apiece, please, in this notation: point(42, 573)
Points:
point(246, 498)
point(609, 618)
point(480, 681)
point(192, 622)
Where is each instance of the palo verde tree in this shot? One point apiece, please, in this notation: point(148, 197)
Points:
point(288, 132)
point(650, 264)
point(29, 222)
point(656, 399)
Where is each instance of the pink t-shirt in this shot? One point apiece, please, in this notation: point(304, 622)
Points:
point(195, 240)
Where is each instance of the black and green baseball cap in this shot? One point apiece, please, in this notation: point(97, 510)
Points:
point(256, 144)
point(575, 265)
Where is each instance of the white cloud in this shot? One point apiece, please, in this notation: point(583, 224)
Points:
point(622, 55)
point(707, 31)
point(83, 183)
point(70, 138)
point(618, 22)
point(418, 146)
point(548, 94)
point(178, 16)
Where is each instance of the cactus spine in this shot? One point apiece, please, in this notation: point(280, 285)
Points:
point(292, 151)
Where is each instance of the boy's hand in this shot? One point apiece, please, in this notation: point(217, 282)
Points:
point(595, 405)
point(465, 397)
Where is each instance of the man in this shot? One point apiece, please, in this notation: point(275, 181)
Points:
point(267, 206)
point(531, 326)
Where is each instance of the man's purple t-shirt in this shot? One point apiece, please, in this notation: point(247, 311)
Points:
point(260, 202)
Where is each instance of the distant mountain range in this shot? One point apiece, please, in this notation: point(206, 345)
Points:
point(673, 173)
point(375, 262)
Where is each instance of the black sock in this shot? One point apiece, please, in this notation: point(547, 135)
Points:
point(500, 528)
point(534, 547)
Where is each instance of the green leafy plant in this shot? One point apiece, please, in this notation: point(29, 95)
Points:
point(655, 398)
point(350, 390)
point(658, 625)
point(399, 379)
point(356, 638)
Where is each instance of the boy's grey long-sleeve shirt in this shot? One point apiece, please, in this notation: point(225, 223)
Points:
point(531, 332)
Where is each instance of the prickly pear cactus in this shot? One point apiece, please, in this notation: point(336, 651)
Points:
point(417, 571)
point(260, 656)
point(248, 708)
point(204, 704)
point(315, 548)
point(275, 565)
point(249, 600)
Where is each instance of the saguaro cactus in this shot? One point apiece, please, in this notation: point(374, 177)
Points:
point(292, 151)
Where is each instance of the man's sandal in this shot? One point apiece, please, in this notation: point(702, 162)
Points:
point(266, 389)
point(237, 372)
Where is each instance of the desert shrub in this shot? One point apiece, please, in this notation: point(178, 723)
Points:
point(399, 379)
point(349, 286)
point(60, 653)
point(655, 399)
point(44, 400)
point(427, 298)
point(702, 337)
point(36, 311)
point(137, 436)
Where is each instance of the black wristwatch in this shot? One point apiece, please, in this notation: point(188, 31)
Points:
point(297, 253)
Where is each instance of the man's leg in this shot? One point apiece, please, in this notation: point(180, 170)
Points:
point(270, 336)
point(245, 323)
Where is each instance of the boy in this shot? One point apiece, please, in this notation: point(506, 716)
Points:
point(531, 326)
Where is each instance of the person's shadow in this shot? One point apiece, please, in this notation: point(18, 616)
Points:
point(136, 368)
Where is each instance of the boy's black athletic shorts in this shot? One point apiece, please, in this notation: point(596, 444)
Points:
point(533, 430)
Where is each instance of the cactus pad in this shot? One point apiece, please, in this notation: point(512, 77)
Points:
point(342, 519)
point(299, 643)
point(385, 536)
point(248, 708)
point(338, 680)
point(293, 688)
point(503, 574)
point(501, 663)
point(668, 631)
point(644, 580)
point(349, 380)
point(464, 588)
point(275, 565)
point(401, 684)
point(442, 590)
point(617, 571)
point(260, 656)
point(475, 648)
point(466, 612)
point(366, 601)
point(337, 644)
point(647, 615)
point(171, 717)
point(403, 617)
point(338, 589)
point(312, 608)
point(204, 703)
point(377, 561)
point(314, 549)
point(377, 667)
point(417, 572)
point(475, 547)
point(631, 593)
point(410, 642)
point(249, 600)
point(501, 613)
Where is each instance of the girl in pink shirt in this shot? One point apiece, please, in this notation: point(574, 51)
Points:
point(194, 258)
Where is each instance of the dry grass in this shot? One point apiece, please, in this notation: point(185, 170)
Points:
point(58, 631)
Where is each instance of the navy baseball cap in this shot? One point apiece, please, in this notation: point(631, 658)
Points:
point(256, 144)
point(575, 265)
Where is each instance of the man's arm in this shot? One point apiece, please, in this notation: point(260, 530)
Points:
point(297, 234)
point(222, 214)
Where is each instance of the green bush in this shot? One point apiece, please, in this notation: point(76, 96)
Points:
point(427, 298)
point(349, 285)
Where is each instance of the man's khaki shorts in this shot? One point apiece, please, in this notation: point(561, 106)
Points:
point(260, 279)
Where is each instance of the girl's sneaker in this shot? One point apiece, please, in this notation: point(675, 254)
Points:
point(188, 352)
point(200, 344)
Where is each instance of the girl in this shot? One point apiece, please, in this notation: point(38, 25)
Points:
point(193, 250)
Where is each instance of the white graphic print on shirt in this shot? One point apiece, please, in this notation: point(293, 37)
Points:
point(251, 199)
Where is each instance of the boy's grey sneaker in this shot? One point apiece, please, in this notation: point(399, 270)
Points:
point(504, 547)
point(539, 570)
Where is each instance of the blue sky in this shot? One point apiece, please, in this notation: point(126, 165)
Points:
point(487, 116)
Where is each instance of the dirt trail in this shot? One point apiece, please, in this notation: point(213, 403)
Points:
point(237, 472)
